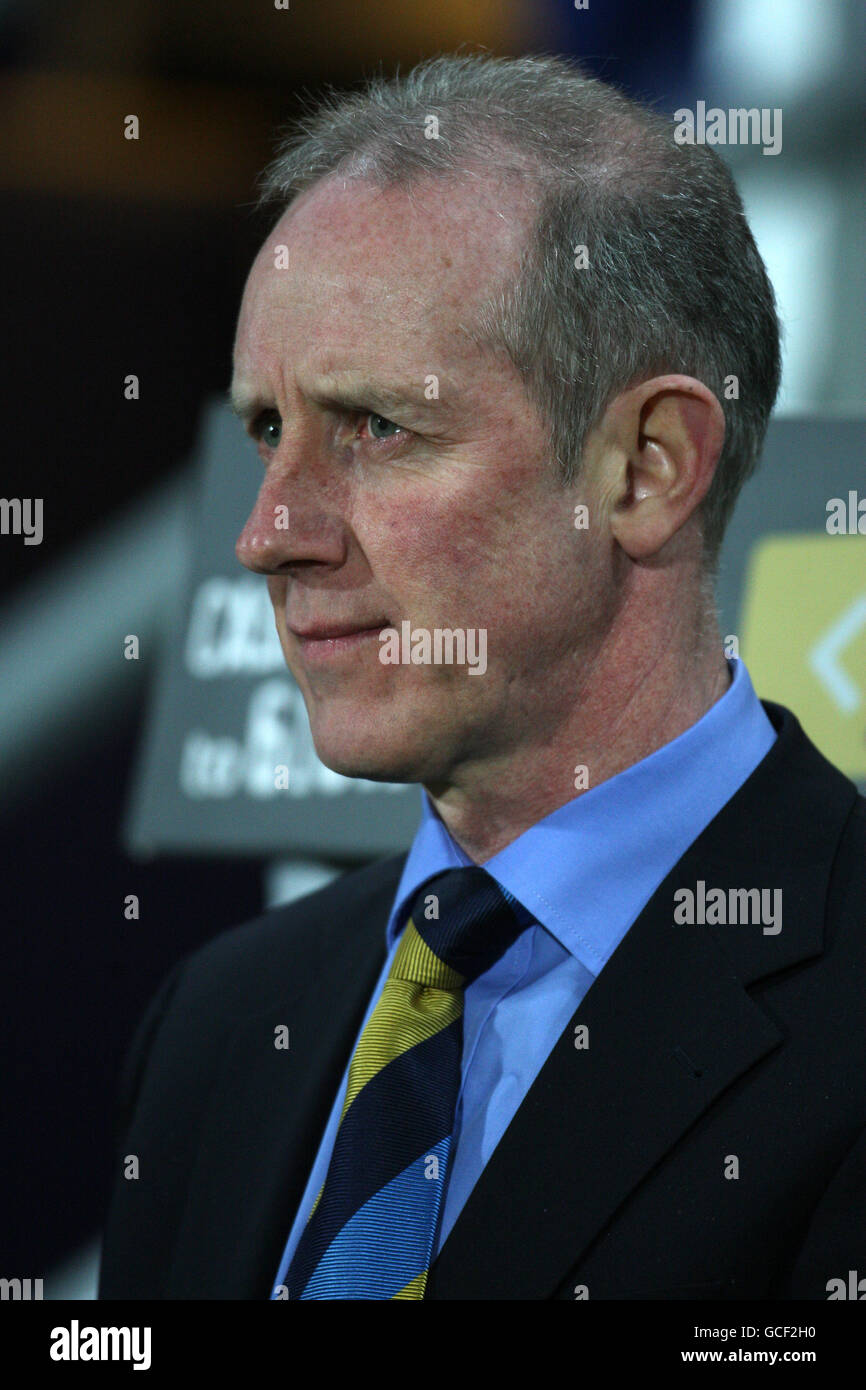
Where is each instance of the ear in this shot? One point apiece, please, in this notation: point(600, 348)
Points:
point(663, 439)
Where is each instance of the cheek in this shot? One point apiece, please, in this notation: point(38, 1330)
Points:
point(454, 551)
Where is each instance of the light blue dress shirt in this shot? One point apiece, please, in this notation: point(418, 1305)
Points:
point(584, 873)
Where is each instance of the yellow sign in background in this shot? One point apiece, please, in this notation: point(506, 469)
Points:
point(803, 637)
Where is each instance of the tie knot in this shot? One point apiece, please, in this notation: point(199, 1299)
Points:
point(460, 922)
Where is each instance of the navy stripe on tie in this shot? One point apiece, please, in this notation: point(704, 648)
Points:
point(375, 1157)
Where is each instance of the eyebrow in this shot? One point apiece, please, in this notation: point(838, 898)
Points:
point(344, 393)
point(242, 404)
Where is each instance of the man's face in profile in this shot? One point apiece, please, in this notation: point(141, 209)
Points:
point(408, 499)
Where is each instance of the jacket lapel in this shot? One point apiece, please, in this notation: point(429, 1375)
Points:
point(671, 1026)
point(269, 1106)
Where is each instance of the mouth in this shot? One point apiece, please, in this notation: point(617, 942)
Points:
point(325, 641)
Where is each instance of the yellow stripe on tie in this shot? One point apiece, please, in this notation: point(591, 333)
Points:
point(415, 1288)
point(415, 960)
point(408, 1012)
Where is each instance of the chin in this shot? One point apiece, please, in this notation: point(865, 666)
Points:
point(375, 765)
point(372, 751)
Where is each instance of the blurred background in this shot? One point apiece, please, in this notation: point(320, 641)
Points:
point(121, 777)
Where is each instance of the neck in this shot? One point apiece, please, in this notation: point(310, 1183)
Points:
point(638, 693)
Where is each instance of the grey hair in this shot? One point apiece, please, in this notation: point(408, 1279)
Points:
point(674, 281)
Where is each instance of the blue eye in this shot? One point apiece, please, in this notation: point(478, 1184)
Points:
point(268, 428)
point(380, 428)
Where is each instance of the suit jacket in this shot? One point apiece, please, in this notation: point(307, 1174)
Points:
point(615, 1179)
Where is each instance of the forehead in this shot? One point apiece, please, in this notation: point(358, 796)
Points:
point(379, 268)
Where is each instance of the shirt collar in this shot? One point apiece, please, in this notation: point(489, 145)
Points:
point(620, 838)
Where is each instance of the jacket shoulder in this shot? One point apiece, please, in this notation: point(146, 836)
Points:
point(244, 970)
point(253, 958)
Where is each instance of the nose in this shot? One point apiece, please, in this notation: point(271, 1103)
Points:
point(287, 527)
point(261, 545)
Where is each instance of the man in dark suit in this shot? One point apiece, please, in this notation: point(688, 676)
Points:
point(508, 356)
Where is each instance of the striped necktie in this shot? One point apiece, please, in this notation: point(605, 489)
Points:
point(371, 1231)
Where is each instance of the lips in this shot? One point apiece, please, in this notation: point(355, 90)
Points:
point(325, 632)
point(331, 644)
